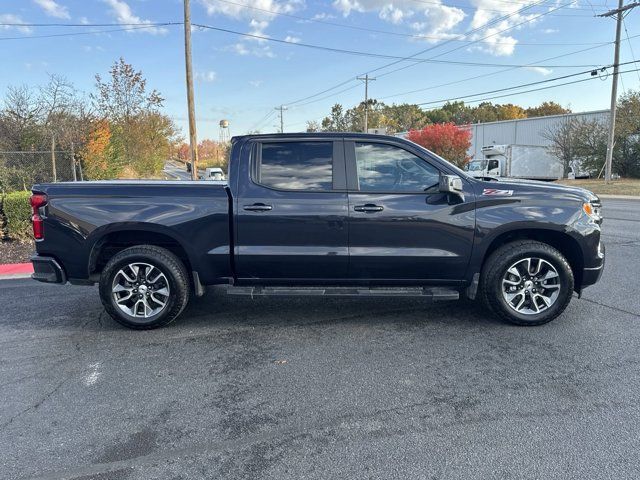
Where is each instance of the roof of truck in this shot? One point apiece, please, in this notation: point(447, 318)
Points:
point(316, 135)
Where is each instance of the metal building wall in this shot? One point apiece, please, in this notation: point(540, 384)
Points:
point(525, 131)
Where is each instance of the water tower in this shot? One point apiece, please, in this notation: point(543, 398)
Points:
point(225, 134)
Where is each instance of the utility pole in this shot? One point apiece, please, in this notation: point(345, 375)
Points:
point(618, 12)
point(193, 138)
point(366, 81)
point(281, 108)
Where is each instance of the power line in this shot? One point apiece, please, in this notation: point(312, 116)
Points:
point(626, 32)
point(533, 89)
point(475, 77)
point(368, 54)
point(486, 25)
point(151, 24)
point(523, 85)
point(94, 32)
point(475, 41)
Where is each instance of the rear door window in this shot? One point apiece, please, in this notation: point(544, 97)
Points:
point(296, 166)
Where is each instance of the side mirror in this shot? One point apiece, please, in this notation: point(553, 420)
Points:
point(451, 184)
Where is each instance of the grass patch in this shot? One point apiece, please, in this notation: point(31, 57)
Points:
point(624, 186)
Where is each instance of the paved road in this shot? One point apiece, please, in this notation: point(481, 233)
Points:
point(176, 171)
point(317, 389)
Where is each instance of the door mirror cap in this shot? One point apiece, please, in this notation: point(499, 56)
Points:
point(451, 184)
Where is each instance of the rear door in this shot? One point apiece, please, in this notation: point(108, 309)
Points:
point(401, 228)
point(292, 212)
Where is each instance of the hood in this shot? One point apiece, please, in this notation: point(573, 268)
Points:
point(525, 187)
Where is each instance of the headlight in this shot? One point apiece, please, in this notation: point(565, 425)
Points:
point(593, 211)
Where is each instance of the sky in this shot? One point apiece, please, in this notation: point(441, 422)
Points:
point(306, 54)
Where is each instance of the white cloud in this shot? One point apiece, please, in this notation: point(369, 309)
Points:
point(11, 18)
point(541, 70)
point(549, 31)
point(257, 20)
point(292, 39)
point(497, 43)
point(53, 9)
point(209, 76)
point(256, 83)
point(124, 15)
point(84, 20)
point(432, 19)
point(323, 16)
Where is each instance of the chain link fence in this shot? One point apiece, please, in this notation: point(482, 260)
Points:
point(20, 170)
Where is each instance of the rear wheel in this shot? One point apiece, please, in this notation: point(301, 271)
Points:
point(144, 287)
point(526, 282)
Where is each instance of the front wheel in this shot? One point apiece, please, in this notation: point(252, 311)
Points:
point(526, 282)
point(144, 287)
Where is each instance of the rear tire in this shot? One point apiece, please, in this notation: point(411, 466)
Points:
point(526, 283)
point(144, 287)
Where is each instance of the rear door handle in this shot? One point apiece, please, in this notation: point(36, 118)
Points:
point(258, 207)
point(369, 208)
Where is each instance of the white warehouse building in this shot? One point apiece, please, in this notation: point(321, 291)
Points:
point(524, 131)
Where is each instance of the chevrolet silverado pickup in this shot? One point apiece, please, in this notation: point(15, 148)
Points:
point(321, 214)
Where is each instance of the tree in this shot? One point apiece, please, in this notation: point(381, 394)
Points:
point(125, 95)
point(626, 155)
point(95, 152)
point(545, 109)
point(510, 111)
point(445, 139)
point(563, 144)
point(141, 137)
point(336, 121)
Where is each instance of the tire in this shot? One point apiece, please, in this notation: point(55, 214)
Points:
point(537, 291)
point(161, 286)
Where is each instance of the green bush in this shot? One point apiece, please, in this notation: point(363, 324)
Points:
point(17, 211)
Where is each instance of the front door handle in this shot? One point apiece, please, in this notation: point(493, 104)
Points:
point(369, 208)
point(258, 207)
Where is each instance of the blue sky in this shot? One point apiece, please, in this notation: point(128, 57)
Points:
point(243, 78)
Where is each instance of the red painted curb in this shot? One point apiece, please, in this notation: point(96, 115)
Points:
point(16, 268)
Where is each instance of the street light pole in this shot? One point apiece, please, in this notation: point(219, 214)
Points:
point(193, 138)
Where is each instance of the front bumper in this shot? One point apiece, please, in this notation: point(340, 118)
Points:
point(48, 270)
point(592, 275)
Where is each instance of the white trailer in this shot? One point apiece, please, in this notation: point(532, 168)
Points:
point(531, 162)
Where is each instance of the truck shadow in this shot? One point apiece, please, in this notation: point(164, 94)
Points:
point(217, 308)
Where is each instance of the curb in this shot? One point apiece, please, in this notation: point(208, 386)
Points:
point(15, 270)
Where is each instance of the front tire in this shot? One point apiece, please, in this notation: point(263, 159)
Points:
point(526, 283)
point(144, 287)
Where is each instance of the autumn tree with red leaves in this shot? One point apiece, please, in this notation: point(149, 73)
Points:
point(448, 140)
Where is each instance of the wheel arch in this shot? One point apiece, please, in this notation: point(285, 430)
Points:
point(109, 243)
point(567, 245)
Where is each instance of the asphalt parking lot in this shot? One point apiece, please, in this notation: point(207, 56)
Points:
point(325, 388)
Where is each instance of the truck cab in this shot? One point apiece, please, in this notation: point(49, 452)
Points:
point(484, 168)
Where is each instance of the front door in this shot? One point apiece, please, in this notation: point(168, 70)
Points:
point(291, 213)
point(401, 228)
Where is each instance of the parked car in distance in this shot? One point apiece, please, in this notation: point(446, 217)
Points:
point(213, 173)
point(321, 214)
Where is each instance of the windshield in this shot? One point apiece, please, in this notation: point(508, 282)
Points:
point(476, 166)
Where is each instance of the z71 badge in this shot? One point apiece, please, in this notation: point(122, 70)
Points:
point(495, 191)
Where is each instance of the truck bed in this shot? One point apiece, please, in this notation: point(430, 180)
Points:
point(192, 214)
